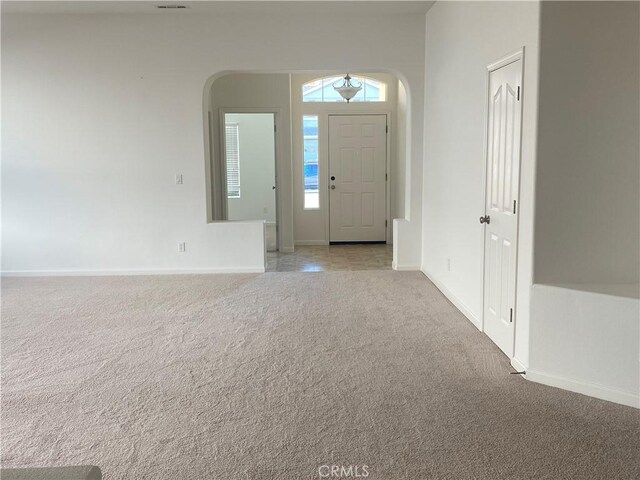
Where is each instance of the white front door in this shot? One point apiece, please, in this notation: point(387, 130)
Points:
point(501, 206)
point(357, 178)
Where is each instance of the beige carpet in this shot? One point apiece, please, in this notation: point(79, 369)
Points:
point(272, 376)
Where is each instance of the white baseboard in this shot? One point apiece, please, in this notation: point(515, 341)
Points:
point(304, 243)
point(287, 250)
point(586, 388)
point(405, 268)
point(101, 273)
point(455, 300)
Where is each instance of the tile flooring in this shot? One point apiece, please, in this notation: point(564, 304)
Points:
point(331, 257)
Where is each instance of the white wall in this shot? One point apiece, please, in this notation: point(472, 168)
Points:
point(257, 168)
point(584, 318)
point(312, 226)
point(101, 111)
point(462, 39)
point(404, 258)
point(588, 182)
point(586, 342)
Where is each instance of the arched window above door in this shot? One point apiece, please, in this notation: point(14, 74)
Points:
point(321, 90)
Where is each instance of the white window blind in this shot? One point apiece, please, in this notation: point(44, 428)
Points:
point(233, 160)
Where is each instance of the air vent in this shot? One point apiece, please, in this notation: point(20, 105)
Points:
point(171, 7)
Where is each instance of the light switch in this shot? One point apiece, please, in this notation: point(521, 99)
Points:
point(178, 179)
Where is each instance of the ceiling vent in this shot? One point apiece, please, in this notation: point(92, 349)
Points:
point(171, 7)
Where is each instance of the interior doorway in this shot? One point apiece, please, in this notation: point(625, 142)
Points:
point(504, 121)
point(357, 178)
point(249, 170)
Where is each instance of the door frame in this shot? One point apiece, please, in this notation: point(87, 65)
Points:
point(277, 114)
point(387, 203)
point(502, 62)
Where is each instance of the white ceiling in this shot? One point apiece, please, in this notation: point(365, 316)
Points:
point(208, 6)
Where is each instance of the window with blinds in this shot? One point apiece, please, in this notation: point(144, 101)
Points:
point(233, 160)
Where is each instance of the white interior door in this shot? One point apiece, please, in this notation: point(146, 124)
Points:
point(500, 220)
point(357, 178)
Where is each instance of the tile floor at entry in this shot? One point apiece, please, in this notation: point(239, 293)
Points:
point(322, 258)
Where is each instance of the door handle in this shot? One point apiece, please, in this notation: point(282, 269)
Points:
point(333, 187)
point(486, 219)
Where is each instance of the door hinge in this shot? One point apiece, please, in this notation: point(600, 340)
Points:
point(385, 223)
point(386, 128)
point(511, 315)
point(518, 92)
point(386, 176)
point(275, 129)
point(514, 207)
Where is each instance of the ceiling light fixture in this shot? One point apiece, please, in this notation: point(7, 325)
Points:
point(347, 90)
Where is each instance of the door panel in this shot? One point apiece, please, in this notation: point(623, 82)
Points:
point(346, 164)
point(493, 298)
point(368, 165)
point(346, 217)
point(503, 173)
point(358, 162)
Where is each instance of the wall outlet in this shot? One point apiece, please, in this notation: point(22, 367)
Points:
point(178, 179)
point(448, 264)
point(182, 247)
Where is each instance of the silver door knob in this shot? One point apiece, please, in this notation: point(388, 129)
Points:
point(333, 187)
point(486, 219)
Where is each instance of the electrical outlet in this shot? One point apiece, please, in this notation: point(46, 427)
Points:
point(182, 247)
point(448, 264)
point(178, 179)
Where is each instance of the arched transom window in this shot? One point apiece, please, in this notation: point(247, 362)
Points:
point(321, 90)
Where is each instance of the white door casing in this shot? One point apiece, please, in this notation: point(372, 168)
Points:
point(504, 122)
point(357, 178)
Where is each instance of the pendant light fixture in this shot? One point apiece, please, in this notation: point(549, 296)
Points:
point(347, 90)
